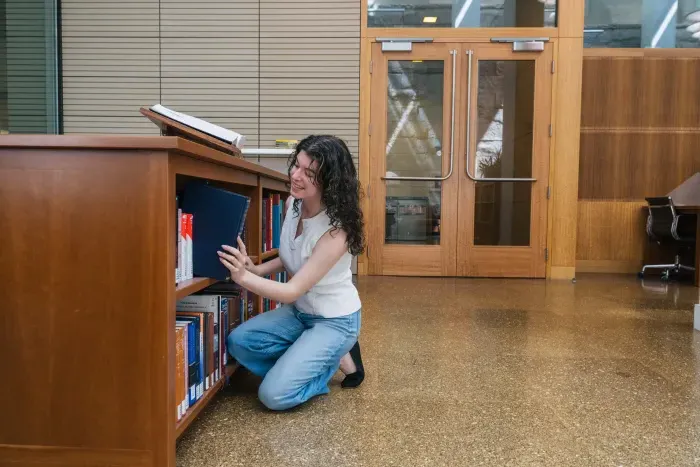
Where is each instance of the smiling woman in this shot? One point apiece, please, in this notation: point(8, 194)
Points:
point(298, 347)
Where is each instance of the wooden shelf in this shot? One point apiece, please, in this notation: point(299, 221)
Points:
point(145, 171)
point(269, 254)
point(197, 408)
point(185, 288)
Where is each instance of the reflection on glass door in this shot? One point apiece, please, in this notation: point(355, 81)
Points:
point(503, 185)
point(412, 161)
point(414, 149)
point(462, 13)
point(505, 103)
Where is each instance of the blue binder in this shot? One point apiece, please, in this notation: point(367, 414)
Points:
point(218, 219)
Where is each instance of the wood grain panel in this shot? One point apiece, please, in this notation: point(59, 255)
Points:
point(59, 301)
point(611, 231)
point(570, 17)
point(634, 164)
point(567, 121)
point(640, 92)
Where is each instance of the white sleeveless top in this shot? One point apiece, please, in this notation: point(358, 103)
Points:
point(334, 295)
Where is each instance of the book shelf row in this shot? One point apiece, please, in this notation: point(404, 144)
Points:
point(208, 306)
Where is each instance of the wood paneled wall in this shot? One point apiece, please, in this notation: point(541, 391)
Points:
point(640, 136)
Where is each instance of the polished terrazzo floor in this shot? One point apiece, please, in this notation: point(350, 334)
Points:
point(488, 372)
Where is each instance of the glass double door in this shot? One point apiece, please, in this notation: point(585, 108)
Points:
point(459, 159)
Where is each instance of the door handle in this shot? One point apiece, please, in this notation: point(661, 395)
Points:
point(470, 54)
point(452, 135)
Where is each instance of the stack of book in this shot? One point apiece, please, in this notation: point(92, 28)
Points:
point(203, 324)
point(273, 208)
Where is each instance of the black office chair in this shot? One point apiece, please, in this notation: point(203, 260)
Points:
point(665, 225)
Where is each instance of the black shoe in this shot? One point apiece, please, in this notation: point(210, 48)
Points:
point(353, 380)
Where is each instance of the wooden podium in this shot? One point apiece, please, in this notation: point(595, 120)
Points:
point(87, 291)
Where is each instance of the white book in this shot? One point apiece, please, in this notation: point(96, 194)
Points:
point(216, 131)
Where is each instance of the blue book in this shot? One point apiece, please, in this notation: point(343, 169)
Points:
point(192, 358)
point(198, 323)
point(275, 226)
point(218, 219)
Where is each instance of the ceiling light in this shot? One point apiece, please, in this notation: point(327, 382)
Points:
point(430, 19)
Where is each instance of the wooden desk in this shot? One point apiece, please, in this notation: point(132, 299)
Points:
point(688, 209)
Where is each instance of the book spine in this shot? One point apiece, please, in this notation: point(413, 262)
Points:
point(198, 303)
point(181, 249)
point(178, 258)
point(186, 373)
point(190, 231)
point(251, 306)
point(179, 369)
point(264, 225)
point(209, 350)
point(223, 335)
point(193, 362)
point(244, 216)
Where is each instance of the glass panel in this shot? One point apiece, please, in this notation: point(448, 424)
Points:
point(414, 149)
point(461, 13)
point(642, 23)
point(504, 150)
point(29, 81)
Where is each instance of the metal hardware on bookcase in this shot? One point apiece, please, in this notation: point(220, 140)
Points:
point(470, 54)
point(452, 135)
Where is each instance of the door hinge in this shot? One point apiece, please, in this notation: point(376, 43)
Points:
point(554, 66)
point(371, 66)
point(551, 130)
point(549, 192)
point(369, 129)
point(546, 254)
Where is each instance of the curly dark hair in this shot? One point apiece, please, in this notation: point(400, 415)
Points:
point(340, 188)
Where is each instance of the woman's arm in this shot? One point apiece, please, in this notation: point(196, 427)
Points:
point(328, 250)
point(268, 267)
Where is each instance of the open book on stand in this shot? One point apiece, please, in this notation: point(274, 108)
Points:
point(210, 129)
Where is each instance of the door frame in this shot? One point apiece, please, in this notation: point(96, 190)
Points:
point(507, 261)
point(424, 262)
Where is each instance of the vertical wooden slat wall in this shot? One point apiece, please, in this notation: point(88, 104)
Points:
point(309, 69)
point(268, 69)
point(110, 65)
point(209, 61)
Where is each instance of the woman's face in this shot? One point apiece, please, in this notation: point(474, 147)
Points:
point(302, 177)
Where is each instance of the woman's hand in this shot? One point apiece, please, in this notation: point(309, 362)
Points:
point(249, 265)
point(234, 260)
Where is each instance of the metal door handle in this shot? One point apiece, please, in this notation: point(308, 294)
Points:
point(470, 54)
point(452, 135)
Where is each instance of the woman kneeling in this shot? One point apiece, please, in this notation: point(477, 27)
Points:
point(298, 347)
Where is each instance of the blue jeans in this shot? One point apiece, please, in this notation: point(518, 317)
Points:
point(296, 354)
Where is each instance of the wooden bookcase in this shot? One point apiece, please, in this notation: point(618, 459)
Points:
point(88, 293)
